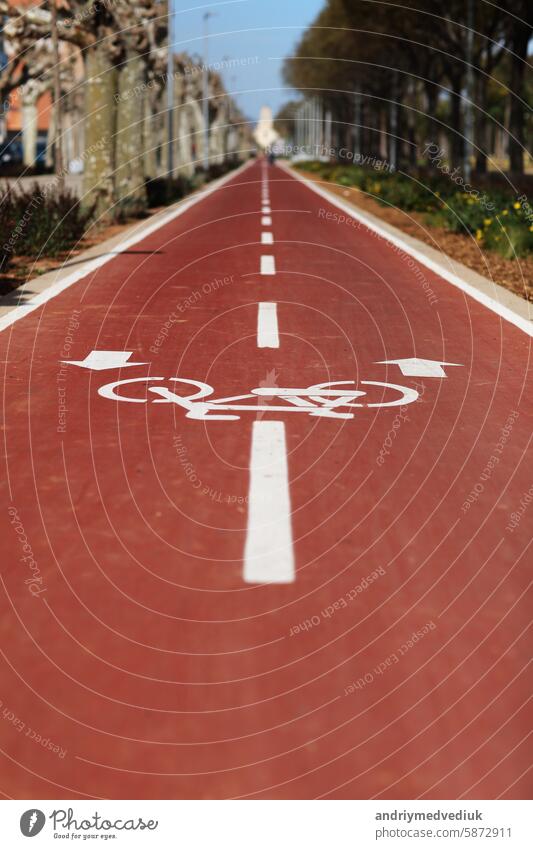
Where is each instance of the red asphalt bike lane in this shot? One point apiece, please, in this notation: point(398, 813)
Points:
point(137, 661)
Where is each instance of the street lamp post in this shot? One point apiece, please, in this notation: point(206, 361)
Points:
point(207, 15)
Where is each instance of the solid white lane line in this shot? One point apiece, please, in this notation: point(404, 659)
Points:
point(268, 265)
point(266, 221)
point(266, 210)
point(267, 326)
point(267, 238)
point(268, 553)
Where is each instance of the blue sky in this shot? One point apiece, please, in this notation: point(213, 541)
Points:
point(257, 32)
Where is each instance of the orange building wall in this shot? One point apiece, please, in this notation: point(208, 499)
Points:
point(44, 104)
point(14, 115)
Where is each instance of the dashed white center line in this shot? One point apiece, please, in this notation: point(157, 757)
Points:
point(268, 553)
point(267, 238)
point(266, 221)
point(267, 326)
point(268, 265)
point(266, 210)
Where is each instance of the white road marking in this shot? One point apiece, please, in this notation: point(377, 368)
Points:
point(267, 238)
point(266, 210)
point(267, 326)
point(102, 360)
point(268, 553)
point(415, 367)
point(266, 221)
point(268, 264)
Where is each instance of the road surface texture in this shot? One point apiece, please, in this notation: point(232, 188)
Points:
point(265, 523)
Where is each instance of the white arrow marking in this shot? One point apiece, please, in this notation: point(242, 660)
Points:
point(414, 367)
point(102, 360)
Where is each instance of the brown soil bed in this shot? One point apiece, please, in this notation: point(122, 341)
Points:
point(516, 275)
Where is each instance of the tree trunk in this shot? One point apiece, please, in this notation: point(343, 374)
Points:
point(100, 125)
point(432, 127)
point(130, 177)
point(150, 140)
point(383, 142)
point(393, 146)
point(409, 121)
point(457, 140)
point(481, 127)
point(357, 114)
point(519, 44)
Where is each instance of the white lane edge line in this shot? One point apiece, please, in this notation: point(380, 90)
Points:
point(266, 221)
point(92, 265)
point(267, 325)
point(491, 303)
point(266, 210)
point(268, 264)
point(267, 238)
point(268, 551)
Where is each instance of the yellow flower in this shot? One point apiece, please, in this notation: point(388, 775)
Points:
point(479, 235)
point(487, 222)
point(505, 212)
point(531, 229)
point(517, 205)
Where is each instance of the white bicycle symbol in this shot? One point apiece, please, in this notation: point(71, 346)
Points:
point(321, 399)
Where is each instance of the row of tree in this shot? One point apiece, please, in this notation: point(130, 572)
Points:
point(417, 73)
point(122, 47)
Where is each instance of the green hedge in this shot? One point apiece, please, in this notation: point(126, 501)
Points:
point(492, 218)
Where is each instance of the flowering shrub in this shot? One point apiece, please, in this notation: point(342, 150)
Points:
point(495, 221)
